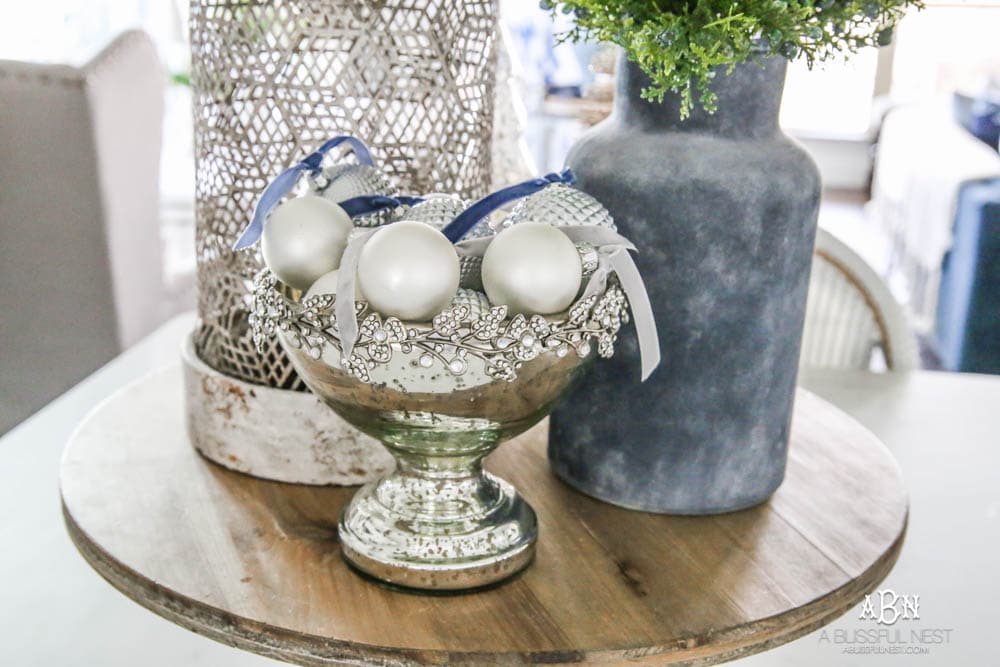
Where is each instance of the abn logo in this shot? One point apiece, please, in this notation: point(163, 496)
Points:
point(885, 607)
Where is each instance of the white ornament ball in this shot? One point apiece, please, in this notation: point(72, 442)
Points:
point(408, 270)
point(304, 238)
point(325, 284)
point(532, 268)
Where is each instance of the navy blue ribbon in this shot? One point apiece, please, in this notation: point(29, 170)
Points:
point(286, 180)
point(372, 203)
point(471, 216)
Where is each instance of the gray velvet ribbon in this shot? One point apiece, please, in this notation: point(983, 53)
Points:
point(612, 257)
point(344, 308)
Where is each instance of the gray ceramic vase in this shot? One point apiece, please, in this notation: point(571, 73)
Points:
point(723, 209)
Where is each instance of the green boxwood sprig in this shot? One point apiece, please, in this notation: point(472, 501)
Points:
point(681, 43)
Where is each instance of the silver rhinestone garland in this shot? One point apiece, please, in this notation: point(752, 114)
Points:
point(477, 302)
point(589, 258)
point(468, 328)
point(560, 205)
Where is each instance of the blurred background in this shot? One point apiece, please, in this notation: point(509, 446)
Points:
point(906, 138)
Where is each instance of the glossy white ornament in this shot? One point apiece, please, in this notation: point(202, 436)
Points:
point(304, 238)
point(408, 270)
point(532, 268)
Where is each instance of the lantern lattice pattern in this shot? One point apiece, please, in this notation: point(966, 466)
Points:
point(272, 80)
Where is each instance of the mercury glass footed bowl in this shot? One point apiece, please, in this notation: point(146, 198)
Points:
point(440, 396)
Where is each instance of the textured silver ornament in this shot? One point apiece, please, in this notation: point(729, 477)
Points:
point(344, 181)
point(470, 268)
point(560, 205)
point(488, 226)
point(347, 180)
point(382, 217)
point(481, 230)
point(436, 211)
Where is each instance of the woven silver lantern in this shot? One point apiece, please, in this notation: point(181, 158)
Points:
point(415, 80)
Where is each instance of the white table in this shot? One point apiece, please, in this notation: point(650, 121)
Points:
point(943, 428)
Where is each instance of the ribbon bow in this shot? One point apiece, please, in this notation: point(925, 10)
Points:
point(286, 180)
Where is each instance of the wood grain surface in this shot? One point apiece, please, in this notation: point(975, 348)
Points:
point(256, 564)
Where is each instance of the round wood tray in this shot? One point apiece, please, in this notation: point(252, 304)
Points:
point(256, 564)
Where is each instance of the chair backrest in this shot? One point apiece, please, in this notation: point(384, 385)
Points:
point(80, 254)
point(850, 314)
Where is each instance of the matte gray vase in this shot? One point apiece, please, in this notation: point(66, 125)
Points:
point(723, 210)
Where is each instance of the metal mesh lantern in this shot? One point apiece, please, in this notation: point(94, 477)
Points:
point(272, 80)
point(413, 78)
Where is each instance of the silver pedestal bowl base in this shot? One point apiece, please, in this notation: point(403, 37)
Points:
point(440, 396)
point(484, 535)
point(439, 522)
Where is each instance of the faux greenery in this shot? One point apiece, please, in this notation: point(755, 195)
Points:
point(680, 43)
